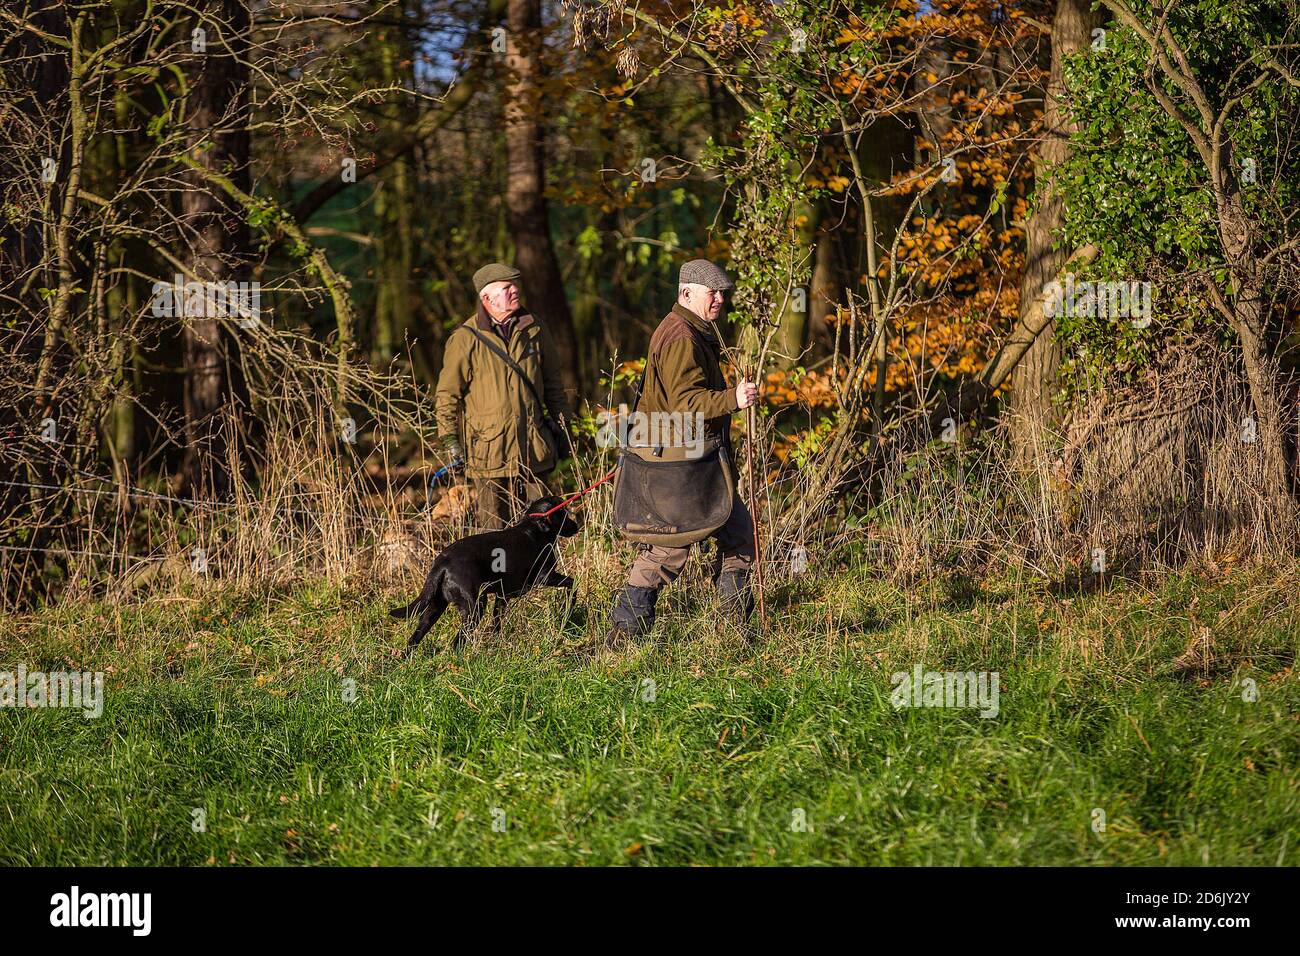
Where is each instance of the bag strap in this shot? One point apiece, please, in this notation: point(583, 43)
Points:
point(640, 387)
point(512, 365)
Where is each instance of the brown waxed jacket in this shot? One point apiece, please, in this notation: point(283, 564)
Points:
point(684, 374)
point(484, 403)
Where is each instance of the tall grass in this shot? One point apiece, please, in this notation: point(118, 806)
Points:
point(1154, 483)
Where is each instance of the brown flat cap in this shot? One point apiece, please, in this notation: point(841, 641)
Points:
point(494, 272)
point(705, 273)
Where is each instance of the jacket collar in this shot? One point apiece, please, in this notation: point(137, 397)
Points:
point(483, 321)
point(702, 326)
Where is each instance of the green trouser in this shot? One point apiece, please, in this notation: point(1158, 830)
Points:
point(501, 501)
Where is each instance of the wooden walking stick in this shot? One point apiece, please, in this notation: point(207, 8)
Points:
point(751, 426)
point(750, 347)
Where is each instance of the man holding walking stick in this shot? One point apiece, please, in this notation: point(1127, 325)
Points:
point(684, 381)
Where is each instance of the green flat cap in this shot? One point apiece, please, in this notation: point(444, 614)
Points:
point(494, 272)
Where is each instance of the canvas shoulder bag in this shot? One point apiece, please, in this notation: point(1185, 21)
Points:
point(672, 497)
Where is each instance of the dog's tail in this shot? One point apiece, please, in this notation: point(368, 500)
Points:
point(409, 610)
point(431, 587)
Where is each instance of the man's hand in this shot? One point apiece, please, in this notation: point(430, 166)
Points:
point(746, 394)
point(562, 437)
point(455, 453)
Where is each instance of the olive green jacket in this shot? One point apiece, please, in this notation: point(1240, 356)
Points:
point(684, 374)
point(484, 403)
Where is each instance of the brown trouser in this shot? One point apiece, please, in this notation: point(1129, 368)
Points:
point(501, 501)
point(658, 566)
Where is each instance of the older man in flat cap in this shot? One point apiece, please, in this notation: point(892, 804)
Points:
point(684, 376)
point(501, 407)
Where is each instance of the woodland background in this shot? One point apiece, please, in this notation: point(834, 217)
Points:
point(892, 185)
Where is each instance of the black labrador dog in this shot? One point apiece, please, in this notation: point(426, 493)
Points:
point(507, 563)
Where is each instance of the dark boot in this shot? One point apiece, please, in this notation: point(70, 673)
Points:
point(735, 599)
point(633, 615)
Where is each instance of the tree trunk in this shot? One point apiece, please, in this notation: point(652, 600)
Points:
point(825, 290)
point(1034, 382)
point(394, 275)
point(79, 127)
point(1249, 321)
point(122, 305)
point(527, 214)
point(792, 324)
point(216, 235)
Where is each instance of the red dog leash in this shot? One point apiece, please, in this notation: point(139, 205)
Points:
point(575, 495)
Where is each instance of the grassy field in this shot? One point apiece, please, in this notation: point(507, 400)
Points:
point(285, 719)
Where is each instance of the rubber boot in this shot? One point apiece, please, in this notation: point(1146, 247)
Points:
point(735, 598)
point(633, 615)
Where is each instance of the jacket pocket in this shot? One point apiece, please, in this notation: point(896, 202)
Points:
point(487, 445)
